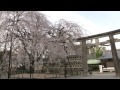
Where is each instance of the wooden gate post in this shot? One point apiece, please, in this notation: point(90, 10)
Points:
point(84, 57)
point(114, 55)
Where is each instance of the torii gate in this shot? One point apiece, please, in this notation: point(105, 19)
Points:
point(113, 49)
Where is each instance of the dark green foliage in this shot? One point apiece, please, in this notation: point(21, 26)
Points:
point(94, 67)
point(98, 53)
point(1, 56)
point(31, 70)
point(21, 68)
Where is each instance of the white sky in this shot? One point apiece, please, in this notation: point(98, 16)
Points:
point(93, 21)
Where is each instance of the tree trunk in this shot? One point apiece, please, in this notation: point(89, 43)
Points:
point(31, 66)
point(68, 61)
point(115, 56)
point(10, 58)
point(65, 72)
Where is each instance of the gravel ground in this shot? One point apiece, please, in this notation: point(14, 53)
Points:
point(105, 75)
point(34, 76)
point(95, 75)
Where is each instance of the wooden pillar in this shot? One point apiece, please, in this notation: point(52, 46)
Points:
point(114, 55)
point(84, 57)
point(97, 41)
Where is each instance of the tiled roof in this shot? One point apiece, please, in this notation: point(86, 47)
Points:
point(108, 55)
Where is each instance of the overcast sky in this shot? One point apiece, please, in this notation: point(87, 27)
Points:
point(93, 21)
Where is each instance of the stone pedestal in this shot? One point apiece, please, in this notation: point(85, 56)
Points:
point(100, 68)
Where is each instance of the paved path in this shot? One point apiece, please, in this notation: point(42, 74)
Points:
point(105, 75)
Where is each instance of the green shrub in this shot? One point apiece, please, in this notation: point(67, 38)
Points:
point(94, 67)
